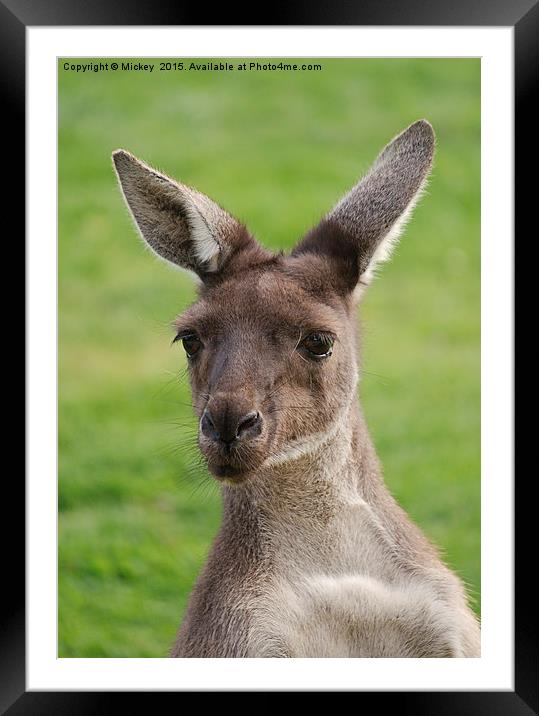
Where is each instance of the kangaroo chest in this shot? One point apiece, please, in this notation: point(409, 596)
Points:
point(351, 615)
point(344, 593)
point(342, 582)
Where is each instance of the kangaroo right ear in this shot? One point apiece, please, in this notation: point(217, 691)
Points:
point(179, 224)
point(363, 227)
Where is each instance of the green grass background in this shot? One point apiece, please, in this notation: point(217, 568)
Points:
point(136, 511)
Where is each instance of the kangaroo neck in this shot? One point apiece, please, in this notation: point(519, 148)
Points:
point(327, 510)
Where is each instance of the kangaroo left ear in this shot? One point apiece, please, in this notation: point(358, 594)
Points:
point(363, 227)
point(178, 223)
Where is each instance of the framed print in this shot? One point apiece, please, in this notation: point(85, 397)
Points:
point(275, 124)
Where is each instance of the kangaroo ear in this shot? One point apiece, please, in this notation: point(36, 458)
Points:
point(363, 227)
point(177, 222)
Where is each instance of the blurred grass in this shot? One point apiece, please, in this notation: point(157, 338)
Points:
point(136, 511)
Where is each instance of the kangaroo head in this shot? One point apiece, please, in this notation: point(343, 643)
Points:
point(270, 342)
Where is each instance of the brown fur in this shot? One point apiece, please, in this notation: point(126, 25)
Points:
point(314, 557)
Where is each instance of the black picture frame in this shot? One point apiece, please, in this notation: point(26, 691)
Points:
point(523, 15)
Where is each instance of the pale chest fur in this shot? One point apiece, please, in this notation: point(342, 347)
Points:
point(354, 616)
point(348, 594)
point(340, 571)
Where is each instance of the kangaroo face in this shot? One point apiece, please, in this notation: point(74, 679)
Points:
point(271, 366)
point(271, 341)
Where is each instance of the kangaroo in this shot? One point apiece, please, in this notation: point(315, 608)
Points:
point(314, 558)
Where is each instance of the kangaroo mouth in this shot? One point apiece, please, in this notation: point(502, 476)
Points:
point(229, 474)
point(230, 468)
point(225, 470)
point(231, 463)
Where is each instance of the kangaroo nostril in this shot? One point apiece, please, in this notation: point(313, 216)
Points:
point(208, 426)
point(248, 421)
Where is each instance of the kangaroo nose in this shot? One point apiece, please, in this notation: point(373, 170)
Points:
point(225, 426)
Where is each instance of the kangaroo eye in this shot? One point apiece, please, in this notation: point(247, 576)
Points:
point(191, 343)
point(318, 345)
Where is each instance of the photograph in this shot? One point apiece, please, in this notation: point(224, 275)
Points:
point(269, 357)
